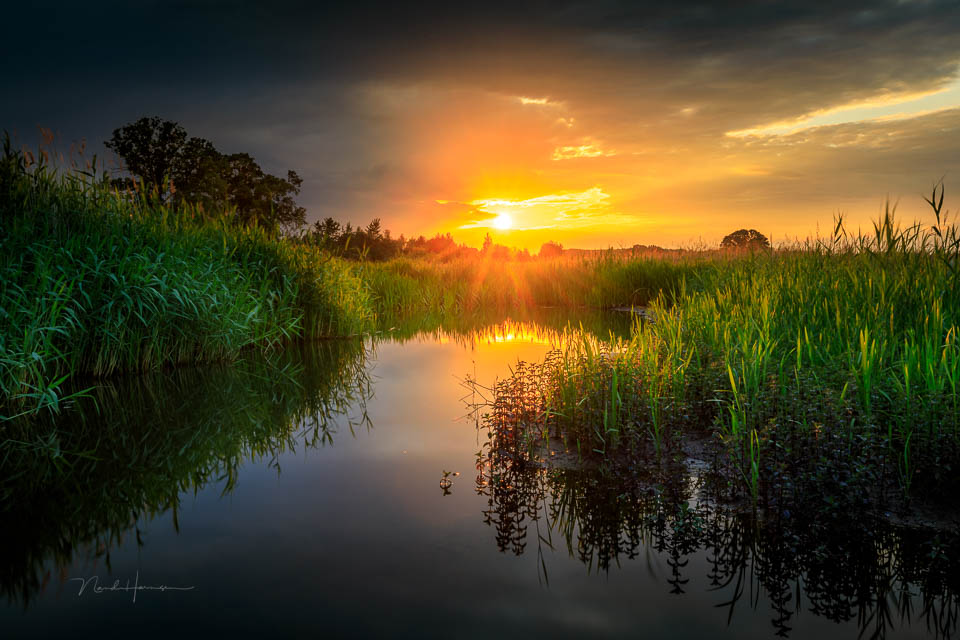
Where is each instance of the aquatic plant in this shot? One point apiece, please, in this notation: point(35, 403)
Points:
point(854, 335)
point(94, 282)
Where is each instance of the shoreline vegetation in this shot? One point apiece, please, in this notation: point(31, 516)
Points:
point(833, 364)
point(98, 281)
point(825, 378)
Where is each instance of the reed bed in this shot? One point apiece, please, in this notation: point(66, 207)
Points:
point(836, 361)
point(851, 341)
point(407, 287)
point(96, 282)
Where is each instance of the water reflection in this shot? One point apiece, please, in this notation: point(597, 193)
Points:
point(364, 525)
point(540, 325)
point(86, 481)
point(845, 567)
point(78, 485)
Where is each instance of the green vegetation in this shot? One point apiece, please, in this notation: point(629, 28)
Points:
point(828, 371)
point(408, 287)
point(844, 352)
point(179, 170)
point(819, 383)
point(93, 282)
point(97, 281)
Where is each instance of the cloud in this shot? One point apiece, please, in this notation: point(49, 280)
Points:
point(588, 200)
point(882, 108)
point(384, 108)
point(538, 101)
point(589, 150)
point(591, 207)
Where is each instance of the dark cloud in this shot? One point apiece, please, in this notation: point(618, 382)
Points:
point(287, 81)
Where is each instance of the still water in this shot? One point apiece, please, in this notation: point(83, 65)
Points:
point(299, 494)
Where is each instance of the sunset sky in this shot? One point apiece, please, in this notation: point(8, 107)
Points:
point(591, 123)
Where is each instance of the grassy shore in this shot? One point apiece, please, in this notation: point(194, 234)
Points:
point(837, 363)
point(95, 282)
point(416, 287)
point(843, 352)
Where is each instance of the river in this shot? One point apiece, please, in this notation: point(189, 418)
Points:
point(305, 493)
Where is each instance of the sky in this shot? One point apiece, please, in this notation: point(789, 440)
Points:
point(593, 124)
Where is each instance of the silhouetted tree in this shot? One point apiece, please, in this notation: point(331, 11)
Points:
point(153, 150)
point(745, 239)
point(373, 229)
point(551, 249)
point(326, 231)
point(487, 244)
point(259, 197)
point(181, 169)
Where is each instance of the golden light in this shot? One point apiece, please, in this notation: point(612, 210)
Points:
point(503, 221)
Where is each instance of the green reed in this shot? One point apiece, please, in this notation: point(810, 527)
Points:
point(96, 282)
point(412, 287)
point(854, 335)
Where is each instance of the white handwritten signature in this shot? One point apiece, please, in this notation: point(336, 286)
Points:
point(94, 583)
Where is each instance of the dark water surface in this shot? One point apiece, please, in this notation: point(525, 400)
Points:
point(299, 495)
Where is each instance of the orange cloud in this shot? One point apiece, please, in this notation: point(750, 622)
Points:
point(582, 151)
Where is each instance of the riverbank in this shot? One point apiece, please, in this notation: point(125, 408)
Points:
point(96, 282)
point(827, 374)
point(840, 355)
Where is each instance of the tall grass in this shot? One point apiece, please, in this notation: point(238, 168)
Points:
point(95, 282)
point(854, 338)
point(411, 287)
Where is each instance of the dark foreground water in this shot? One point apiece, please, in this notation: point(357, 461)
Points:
point(300, 495)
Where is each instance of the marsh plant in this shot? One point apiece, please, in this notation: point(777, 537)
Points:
point(95, 281)
point(783, 357)
point(845, 348)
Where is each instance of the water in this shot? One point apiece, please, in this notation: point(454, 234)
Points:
point(300, 494)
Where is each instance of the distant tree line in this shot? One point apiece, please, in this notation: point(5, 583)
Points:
point(162, 161)
point(373, 242)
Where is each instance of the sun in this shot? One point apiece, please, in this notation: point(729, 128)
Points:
point(503, 221)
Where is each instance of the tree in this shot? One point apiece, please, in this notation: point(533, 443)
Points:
point(261, 198)
point(196, 175)
point(153, 150)
point(191, 170)
point(551, 249)
point(749, 239)
point(374, 229)
point(487, 244)
point(326, 232)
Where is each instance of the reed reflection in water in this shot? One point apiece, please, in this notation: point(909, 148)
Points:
point(142, 443)
point(306, 536)
point(841, 566)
